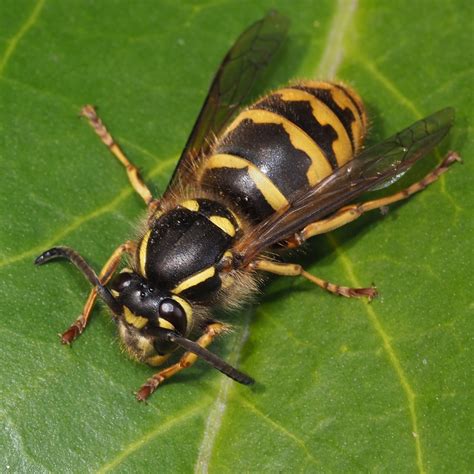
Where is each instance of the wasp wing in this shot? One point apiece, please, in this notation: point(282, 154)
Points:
point(238, 72)
point(380, 164)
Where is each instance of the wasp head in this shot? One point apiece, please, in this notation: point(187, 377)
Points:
point(149, 315)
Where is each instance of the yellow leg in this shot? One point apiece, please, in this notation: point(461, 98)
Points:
point(293, 269)
point(136, 180)
point(107, 272)
point(211, 331)
point(350, 213)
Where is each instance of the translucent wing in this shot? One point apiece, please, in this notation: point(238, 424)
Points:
point(380, 164)
point(239, 70)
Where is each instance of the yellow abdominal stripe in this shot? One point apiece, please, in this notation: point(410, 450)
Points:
point(342, 146)
point(343, 99)
point(264, 184)
point(319, 168)
point(357, 126)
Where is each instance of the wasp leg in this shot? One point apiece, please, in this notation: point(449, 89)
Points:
point(78, 326)
point(293, 269)
point(134, 177)
point(211, 331)
point(350, 213)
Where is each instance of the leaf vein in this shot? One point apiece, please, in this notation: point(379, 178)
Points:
point(374, 71)
point(146, 438)
point(333, 54)
point(280, 428)
point(16, 38)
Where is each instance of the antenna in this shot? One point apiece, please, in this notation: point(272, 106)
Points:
point(210, 358)
point(86, 270)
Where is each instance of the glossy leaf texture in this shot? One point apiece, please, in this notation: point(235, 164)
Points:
point(343, 385)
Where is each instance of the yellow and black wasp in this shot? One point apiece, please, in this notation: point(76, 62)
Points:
point(284, 169)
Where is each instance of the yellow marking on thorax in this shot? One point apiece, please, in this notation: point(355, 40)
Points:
point(340, 98)
point(224, 224)
point(136, 321)
point(157, 213)
point(342, 146)
point(195, 279)
point(142, 252)
point(228, 254)
point(190, 204)
point(319, 168)
point(264, 184)
point(236, 218)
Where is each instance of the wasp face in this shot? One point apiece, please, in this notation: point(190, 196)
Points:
point(149, 314)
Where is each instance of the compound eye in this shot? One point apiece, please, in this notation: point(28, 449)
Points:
point(172, 311)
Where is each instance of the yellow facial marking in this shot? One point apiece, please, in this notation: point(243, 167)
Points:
point(195, 279)
point(136, 321)
point(165, 324)
point(224, 224)
point(144, 345)
point(190, 204)
point(264, 184)
point(142, 252)
point(187, 308)
point(342, 146)
point(319, 169)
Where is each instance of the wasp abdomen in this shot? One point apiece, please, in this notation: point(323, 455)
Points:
point(286, 142)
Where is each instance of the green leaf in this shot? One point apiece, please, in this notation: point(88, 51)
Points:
point(342, 385)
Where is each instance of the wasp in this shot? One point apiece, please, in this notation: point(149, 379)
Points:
point(248, 185)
